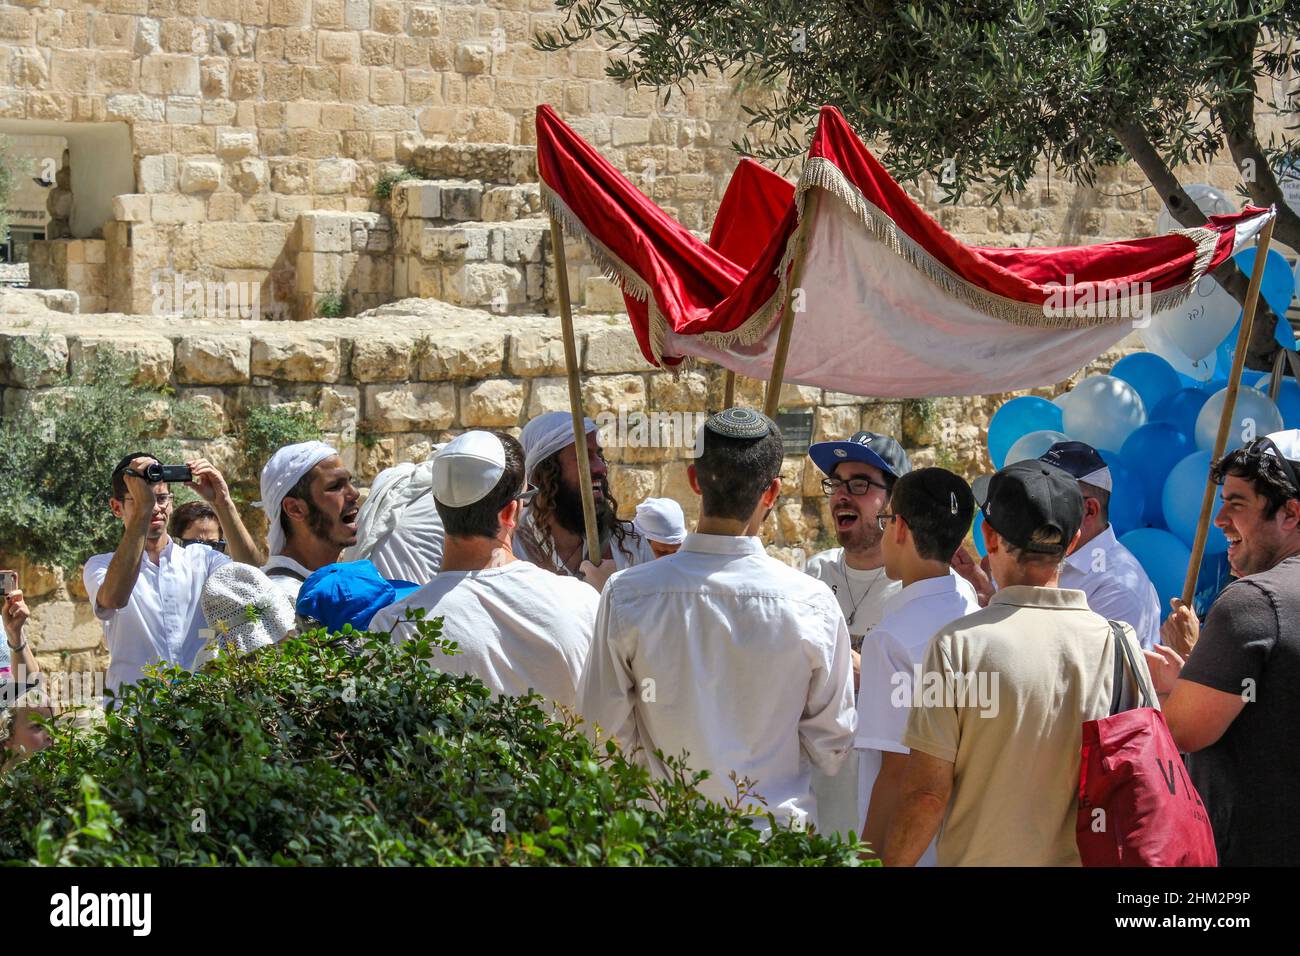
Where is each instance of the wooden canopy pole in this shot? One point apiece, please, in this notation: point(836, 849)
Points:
point(575, 395)
point(771, 399)
point(1225, 420)
point(729, 389)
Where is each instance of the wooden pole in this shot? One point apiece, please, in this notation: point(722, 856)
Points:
point(1225, 420)
point(771, 399)
point(575, 394)
point(729, 389)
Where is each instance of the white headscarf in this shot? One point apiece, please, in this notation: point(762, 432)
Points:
point(547, 434)
point(280, 474)
point(662, 520)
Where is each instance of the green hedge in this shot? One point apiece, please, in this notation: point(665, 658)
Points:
point(305, 755)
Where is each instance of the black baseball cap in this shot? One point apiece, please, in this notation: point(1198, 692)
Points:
point(879, 451)
point(1030, 496)
point(1081, 460)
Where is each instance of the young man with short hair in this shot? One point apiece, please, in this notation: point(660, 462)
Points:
point(312, 506)
point(147, 592)
point(1234, 706)
point(723, 652)
point(929, 513)
point(995, 754)
point(1099, 566)
point(519, 627)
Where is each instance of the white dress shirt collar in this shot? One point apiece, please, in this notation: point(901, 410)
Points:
point(926, 587)
point(723, 543)
point(1081, 558)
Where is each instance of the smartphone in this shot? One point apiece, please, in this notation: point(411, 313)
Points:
point(8, 582)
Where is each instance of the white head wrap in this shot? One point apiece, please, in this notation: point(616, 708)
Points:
point(662, 520)
point(280, 474)
point(547, 434)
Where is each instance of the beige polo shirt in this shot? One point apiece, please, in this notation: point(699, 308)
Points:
point(1003, 694)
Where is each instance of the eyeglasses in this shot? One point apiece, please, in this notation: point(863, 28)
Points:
point(882, 520)
point(214, 545)
point(163, 499)
point(856, 486)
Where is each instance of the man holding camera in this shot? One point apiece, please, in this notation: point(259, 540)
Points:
point(147, 592)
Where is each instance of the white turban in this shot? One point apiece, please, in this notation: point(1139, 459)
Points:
point(547, 434)
point(662, 520)
point(281, 473)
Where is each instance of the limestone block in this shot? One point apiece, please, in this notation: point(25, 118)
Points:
point(461, 355)
point(213, 359)
point(382, 358)
point(613, 349)
point(550, 394)
point(519, 242)
point(209, 420)
point(462, 202)
point(602, 296)
point(799, 396)
point(539, 352)
point(326, 232)
point(242, 245)
point(296, 358)
point(492, 403)
point(333, 176)
point(509, 203)
point(157, 174)
point(58, 626)
point(674, 483)
point(688, 392)
point(174, 208)
point(612, 393)
point(318, 272)
point(236, 143)
point(467, 243)
point(340, 405)
point(135, 108)
point(200, 176)
point(420, 406)
point(883, 418)
point(630, 487)
point(473, 58)
point(32, 360)
point(35, 580)
point(250, 176)
point(835, 423)
point(485, 284)
point(417, 199)
point(149, 356)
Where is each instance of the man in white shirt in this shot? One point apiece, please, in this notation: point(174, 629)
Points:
point(722, 652)
point(552, 531)
point(1107, 572)
point(929, 514)
point(311, 505)
point(147, 592)
point(519, 628)
point(860, 473)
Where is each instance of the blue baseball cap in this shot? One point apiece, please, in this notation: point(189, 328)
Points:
point(880, 451)
point(350, 592)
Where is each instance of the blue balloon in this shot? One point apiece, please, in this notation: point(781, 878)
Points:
point(1016, 419)
point(1181, 501)
point(1164, 558)
point(1228, 348)
point(1277, 289)
point(1127, 496)
point(1288, 399)
point(1152, 376)
point(977, 532)
point(1180, 410)
point(1151, 453)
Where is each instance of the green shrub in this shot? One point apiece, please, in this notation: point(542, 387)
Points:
point(304, 755)
point(266, 428)
point(331, 306)
point(59, 451)
point(390, 178)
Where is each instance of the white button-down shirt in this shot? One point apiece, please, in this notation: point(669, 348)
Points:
point(890, 654)
point(1117, 587)
point(162, 619)
point(726, 653)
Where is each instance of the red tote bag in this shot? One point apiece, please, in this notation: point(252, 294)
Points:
point(1137, 805)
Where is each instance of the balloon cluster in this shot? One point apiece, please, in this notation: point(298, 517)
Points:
point(1156, 416)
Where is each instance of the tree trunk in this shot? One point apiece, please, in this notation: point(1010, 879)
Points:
point(1263, 346)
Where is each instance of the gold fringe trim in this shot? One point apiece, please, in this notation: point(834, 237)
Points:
point(611, 266)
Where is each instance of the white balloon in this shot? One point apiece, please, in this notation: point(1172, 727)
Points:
point(1033, 445)
point(1211, 201)
point(1198, 325)
point(1158, 343)
point(1062, 400)
point(1254, 415)
point(1103, 412)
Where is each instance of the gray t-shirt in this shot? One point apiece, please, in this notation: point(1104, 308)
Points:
point(1250, 778)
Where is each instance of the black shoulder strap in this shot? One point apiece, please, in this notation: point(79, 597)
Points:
point(1122, 651)
point(284, 573)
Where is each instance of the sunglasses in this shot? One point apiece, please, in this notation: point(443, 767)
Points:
point(214, 545)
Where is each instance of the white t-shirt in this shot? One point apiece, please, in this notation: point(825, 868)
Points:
point(162, 619)
point(1117, 587)
point(862, 594)
point(287, 583)
point(518, 627)
point(890, 654)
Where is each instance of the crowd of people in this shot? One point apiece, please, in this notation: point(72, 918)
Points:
point(813, 694)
